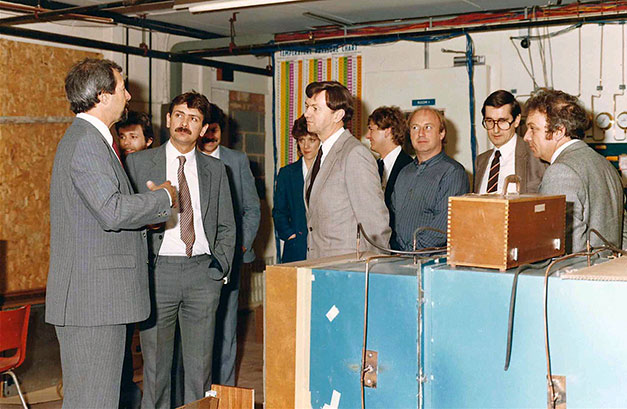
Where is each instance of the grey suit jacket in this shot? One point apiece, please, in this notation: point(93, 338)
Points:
point(594, 195)
point(215, 201)
point(245, 200)
point(98, 255)
point(529, 168)
point(346, 191)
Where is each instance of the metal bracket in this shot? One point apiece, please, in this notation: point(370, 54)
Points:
point(371, 369)
point(559, 388)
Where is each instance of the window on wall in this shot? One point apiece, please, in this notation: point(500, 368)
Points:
point(247, 131)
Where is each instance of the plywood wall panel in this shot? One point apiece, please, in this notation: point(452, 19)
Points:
point(31, 86)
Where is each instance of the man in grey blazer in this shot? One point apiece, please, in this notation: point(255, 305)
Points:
point(247, 216)
point(501, 117)
point(556, 123)
point(98, 277)
point(343, 187)
point(191, 254)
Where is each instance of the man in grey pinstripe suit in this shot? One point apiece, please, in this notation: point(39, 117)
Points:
point(98, 278)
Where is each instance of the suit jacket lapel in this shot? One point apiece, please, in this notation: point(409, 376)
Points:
point(520, 163)
point(204, 183)
point(482, 165)
point(328, 164)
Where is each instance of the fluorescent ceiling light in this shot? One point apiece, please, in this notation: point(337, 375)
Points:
point(218, 5)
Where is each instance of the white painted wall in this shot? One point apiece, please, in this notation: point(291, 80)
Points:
point(504, 71)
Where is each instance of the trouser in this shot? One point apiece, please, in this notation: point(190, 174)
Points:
point(183, 292)
point(225, 348)
point(91, 361)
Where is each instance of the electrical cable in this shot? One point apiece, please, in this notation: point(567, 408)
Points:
point(427, 250)
point(550, 57)
point(470, 52)
point(590, 252)
point(533, 73)
point(512, 305)
point(535, 84)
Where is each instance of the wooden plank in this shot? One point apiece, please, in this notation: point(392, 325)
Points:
point(613, 270)
point(204, 403)
point(280, 336)
point(231, 397)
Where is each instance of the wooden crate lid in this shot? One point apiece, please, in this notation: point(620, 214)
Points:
point(498, 198)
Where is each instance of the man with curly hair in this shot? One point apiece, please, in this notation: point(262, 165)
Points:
point(556, 125)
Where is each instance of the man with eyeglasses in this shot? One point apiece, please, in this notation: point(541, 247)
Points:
point(510, 155)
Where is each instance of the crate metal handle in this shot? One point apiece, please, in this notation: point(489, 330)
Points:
point(511, 179)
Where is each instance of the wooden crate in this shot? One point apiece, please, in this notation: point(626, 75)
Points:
point(504, 231)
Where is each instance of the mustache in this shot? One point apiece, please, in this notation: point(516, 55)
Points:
point(183, 130)
point(208, 139)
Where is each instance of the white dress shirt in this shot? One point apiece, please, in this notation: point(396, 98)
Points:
point(388, 164)
point(305, 169)
point(216, 153)
point(101, 127)
point(172, 244)
point(326, 146)
point(507, 166)
point(561, 149)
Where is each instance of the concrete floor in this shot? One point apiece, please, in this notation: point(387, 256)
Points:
point(249, 366)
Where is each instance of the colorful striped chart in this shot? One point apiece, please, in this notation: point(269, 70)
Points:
point(294, 70)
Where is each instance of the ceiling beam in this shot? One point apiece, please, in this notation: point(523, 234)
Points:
point(102, 45)
point(119, 18)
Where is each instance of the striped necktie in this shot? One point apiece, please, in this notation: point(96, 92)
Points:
point(186, 212)
point(493, 178)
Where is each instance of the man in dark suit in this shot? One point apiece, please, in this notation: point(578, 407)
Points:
point(98, 278)
point(387, 132)
point(510, 155)
point(190, 256)
point(247, 215)
point(556, 123)
point(343, 188)
point(290, 220)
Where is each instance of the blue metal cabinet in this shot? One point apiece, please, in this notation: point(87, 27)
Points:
point(465, 327)
point(336, 345)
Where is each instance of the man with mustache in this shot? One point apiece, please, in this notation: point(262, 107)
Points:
point(98, 277)
point(247, 214)
point(190, 255)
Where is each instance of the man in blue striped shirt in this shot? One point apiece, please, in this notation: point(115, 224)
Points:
point(420, 197)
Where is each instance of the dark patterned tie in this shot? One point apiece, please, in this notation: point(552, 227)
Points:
point(186, 212)
point(380, 166)
point(314, 173)
point(493, 178)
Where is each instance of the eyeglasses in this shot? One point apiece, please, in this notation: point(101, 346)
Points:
point(503, 124)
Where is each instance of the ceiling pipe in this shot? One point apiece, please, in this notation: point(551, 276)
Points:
point(154, 25)
point(176, 68)
point(38, 17)
point(263, 49)
point(102, 45)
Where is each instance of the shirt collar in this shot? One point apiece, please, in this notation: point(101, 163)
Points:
point(434, 159)
point(216, 153)
point(328, 144)
point(561, 149)
point(172, 154)
point(390, 158)
point(100, 126)
point(508, 148)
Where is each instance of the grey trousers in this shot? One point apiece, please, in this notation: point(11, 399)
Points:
point(91, 361)
point(183, 291)
point(225, 348)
